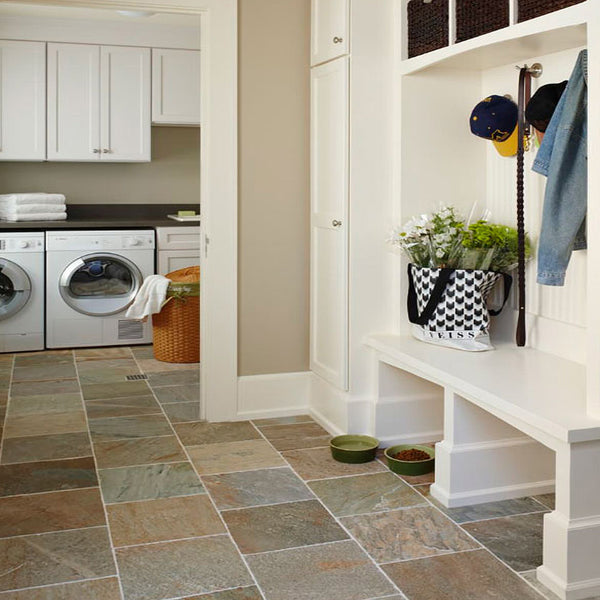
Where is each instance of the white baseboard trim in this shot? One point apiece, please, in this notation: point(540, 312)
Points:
point(270, 396)
point(568, 591)
point(419, 438)
point(326, 423)
point(490, 494)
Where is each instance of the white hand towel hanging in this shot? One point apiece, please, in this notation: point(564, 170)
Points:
point(150, 298)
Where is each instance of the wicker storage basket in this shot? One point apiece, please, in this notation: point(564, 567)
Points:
point(176, 328)
point(529, 9)
point(476, 17)
point(427, 26)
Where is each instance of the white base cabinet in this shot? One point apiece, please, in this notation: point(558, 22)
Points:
point(177, 248)
point(22, 100)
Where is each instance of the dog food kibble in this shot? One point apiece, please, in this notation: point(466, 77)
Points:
point(412, 455)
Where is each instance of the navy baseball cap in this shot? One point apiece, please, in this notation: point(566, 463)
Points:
point(495, 118)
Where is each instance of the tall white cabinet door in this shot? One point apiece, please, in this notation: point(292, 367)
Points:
point(22, 100)
point(329, 222)
point(73, 102)
point(330, 30)
point(175, 87)
point(125, 104)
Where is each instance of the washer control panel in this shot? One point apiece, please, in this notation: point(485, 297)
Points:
point(100, 240)
point(14, 243)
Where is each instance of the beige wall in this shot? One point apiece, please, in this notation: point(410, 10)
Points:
point(274, 84)
point(173, 176)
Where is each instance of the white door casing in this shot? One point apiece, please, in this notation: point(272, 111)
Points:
point(124, 104)
point(330, 21)
point(22, 100)
point(73, 102)
point(329, 143)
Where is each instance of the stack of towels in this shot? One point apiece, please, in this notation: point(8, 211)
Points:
point(33, 207)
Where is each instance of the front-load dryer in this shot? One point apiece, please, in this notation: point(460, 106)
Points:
point(21, 291)
point(91, 279)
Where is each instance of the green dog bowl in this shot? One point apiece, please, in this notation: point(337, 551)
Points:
point(410, 467)
point(354, 449)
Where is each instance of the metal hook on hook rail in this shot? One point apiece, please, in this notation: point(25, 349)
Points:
point(535, 70)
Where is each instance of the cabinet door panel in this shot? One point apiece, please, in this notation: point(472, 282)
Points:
point(73, 102)
point(330, 29)
point(172, 260)
point(22, 100)
point(329, 212)
point(176, 87)
point(125, 104)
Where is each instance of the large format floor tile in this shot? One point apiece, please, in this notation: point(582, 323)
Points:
point(292, 437)
point(242, 593)
point(177, 393)
point(465, 576)
point(365, 494)
point(181, 568)
point(144, 451)
point(45, 403)
point(51, 511)
point(35, 560)
point(281, 526)
point(338, 571)
point(122, 407)
point(45, 424)
point(104, 391)
point(253, 488)
point(197, 434)
point(46, 447)
point(96, 589)
point(148, 482)
point(35, 388)
point(124, 428)
point(516, 540)
point(47, 372)
point(162, 520)
point(409, 533)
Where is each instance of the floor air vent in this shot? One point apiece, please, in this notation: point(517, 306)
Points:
point(131, 330)
point(136, 377)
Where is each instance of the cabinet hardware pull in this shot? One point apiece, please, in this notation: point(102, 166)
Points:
point(106, 151)
point(336, 223)
point(96, 150)
point(337, 40)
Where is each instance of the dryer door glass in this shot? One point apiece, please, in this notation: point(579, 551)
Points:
point(100, 284)
point(15, 288)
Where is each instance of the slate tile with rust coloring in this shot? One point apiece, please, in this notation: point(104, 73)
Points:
point(124, 428)
point(47, 357)
point(202, 433)
point(515, 540)
point(51, 511)
point(103, 391)
point(96, 589)
point(182, 412)
point(365, 494)
point(289, 525)
point(181, 568)
point(45, 476)
point(228, 457)
point(473, 575)
point(46, 447)
point(146, 482)
point(337, 571)
point(317, 463)
point(122, 407)
point(162, 520)
point(405, 534)
point(179, 377)
point(253, 488)
point(58, 557)
point(177, 393)
point(44, 372)
point(37, 388)
point(92, 354)
point(43, 404)
point(301, 435)
point(144, 451)
point(37, 424)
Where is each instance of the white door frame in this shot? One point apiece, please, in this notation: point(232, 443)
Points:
point(219, 190)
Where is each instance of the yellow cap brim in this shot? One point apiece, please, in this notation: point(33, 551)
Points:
point(510, 146)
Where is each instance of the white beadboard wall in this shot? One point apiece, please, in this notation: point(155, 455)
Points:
point(556, 315)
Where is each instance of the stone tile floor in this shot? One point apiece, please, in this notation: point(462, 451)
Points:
point(113, 489)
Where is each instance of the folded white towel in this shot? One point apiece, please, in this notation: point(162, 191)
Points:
point(45, 216)
point(33, 198)
point(150, 298)
point(23, 209)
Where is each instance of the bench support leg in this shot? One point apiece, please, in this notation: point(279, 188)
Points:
point(482, 459)
point(571, 567)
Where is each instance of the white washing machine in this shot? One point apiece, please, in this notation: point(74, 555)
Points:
point(91, 279)
point(21, 291)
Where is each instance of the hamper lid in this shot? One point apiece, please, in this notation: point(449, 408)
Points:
point(185, 275)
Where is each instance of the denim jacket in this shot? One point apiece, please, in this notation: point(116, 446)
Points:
point(562, 157)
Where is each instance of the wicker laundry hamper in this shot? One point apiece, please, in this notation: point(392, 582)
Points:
point(176, 328)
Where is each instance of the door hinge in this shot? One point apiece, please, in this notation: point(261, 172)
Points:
point(206, 243)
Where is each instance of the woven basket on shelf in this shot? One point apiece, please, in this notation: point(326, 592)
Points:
point(476, 17)
point(176, 328)
point(529, 9)
point(427, 26)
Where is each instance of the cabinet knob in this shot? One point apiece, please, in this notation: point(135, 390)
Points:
point(336, 223)
point(337, 40)
point(106, 151)
point(96, 150)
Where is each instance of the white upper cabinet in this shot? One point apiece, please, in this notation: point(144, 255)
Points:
point(22, 100)
point(330, 30)
point(125, 104)
point(98, 103)
point(175, 87)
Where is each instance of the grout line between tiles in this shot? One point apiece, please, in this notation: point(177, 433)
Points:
point(159, 498)
point(26, 462)
point(8, 398)
point(350, 536)
point(415, 558)
point(60, 583)
point(89, 487)
point(238, 508)
point(171, 541)
point(22, 535)
point(533, 512)
point(108, 530)
point(279, 550)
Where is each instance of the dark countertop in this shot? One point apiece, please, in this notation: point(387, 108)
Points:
point(117, 216)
